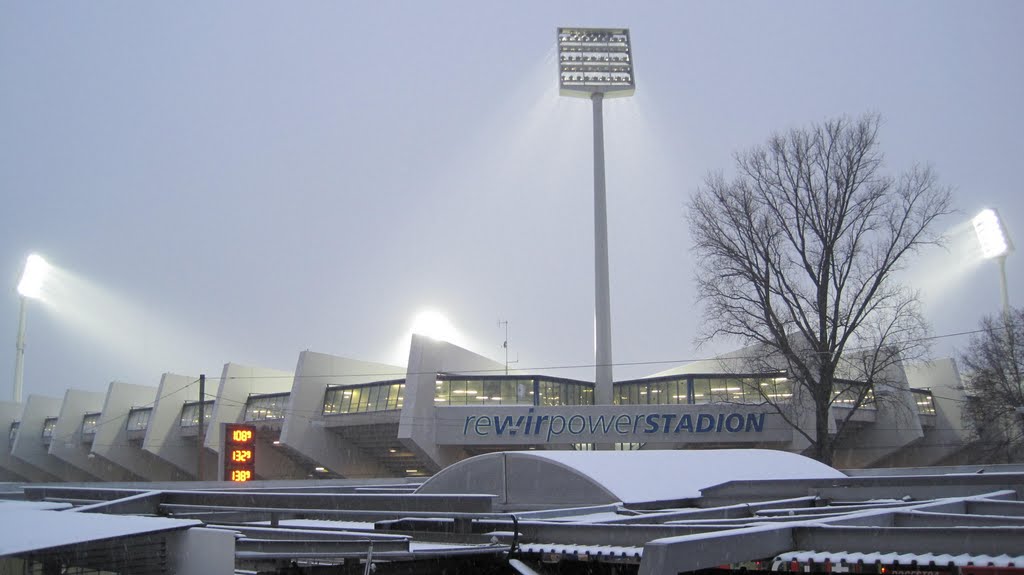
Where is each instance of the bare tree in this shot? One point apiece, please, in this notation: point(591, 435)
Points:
point(796, 258)
point(992, 366)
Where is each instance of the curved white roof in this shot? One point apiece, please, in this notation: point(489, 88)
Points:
point(677, 474)
point(596, 477)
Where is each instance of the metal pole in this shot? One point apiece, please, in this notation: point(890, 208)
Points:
point(19, 356)
point(602, 297)
point(201, 438)
point(1002, 285)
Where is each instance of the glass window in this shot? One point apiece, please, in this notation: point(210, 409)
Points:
point(634, 394)
point(509, 394)
point(138, 419)
point(474, 392)
point(49, 424)
point(372, 397)
point(266, 407)
point(89, 423)
point(588, 395)
point(190, 413)
point(845, 394)
point(357, 401)
point(395, 395)
point(924, 401)
point(701, 390)
point(776, 389)
point(443, 392)
point(379, 396)
point(511, 391)
point(492, 392)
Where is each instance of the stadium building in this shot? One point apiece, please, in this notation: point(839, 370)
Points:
point(342, 418)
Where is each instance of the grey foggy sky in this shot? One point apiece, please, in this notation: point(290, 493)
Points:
point(242, 181)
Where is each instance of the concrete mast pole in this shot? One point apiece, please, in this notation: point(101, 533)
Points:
point(19, 357)
point(1003, 288)
point(602, 297)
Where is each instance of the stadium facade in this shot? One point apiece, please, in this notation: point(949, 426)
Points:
point(342, 418)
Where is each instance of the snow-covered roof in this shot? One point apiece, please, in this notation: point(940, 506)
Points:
point(920, 559)
point(25, 528)
point(546, 478)
point(635, 476)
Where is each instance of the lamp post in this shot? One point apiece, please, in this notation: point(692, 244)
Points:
point(995, 244)
point(30, 287)
point(597, 63)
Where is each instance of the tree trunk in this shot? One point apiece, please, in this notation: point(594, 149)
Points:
point(823, 440)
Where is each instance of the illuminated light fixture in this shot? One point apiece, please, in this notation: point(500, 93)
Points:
point(321, 470)
point(991, 234)
point(995, 244)
point(598, 48)
point(36, 270)
point(412, 471)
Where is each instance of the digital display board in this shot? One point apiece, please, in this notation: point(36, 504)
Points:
point(238, 455)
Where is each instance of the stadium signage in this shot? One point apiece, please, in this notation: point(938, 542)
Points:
point(621, 424)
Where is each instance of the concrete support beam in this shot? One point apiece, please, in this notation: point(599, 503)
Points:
point(72, 446)
point(164, 437)
point(112, 441)
point(30, 447)
point(15, 469)
point(427, 358)
point(304, 428)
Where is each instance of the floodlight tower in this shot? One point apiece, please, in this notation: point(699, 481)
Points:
point(995, 244)
point(597, 63)
point(30, 287)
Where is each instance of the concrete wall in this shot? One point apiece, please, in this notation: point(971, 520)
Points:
point(15, 469)
point(29, 446)
point(416, 429)
point(69, 444)
point(237, 383)
point(896, 424)
point(163, 436)
point(112, 444)
point(947, 438)
point(303, 430)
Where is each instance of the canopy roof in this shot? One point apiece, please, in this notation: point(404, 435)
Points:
point(545, 478)
point(35, 526)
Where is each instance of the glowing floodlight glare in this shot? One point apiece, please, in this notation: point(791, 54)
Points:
point(991, 235)
point(434, 325)
point(36, 270)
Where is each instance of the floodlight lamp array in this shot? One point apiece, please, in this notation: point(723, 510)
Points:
point(991, 234)
point(595, 60)
point(31, 284)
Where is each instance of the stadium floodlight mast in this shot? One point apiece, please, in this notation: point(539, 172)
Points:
point(597, 63)
point(30, 287)
point(995, 244)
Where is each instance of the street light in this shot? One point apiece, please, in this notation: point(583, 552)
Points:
point(995, 243)
point(596, 63)
point(30, 287)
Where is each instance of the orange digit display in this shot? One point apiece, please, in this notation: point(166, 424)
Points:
point(238, 456)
